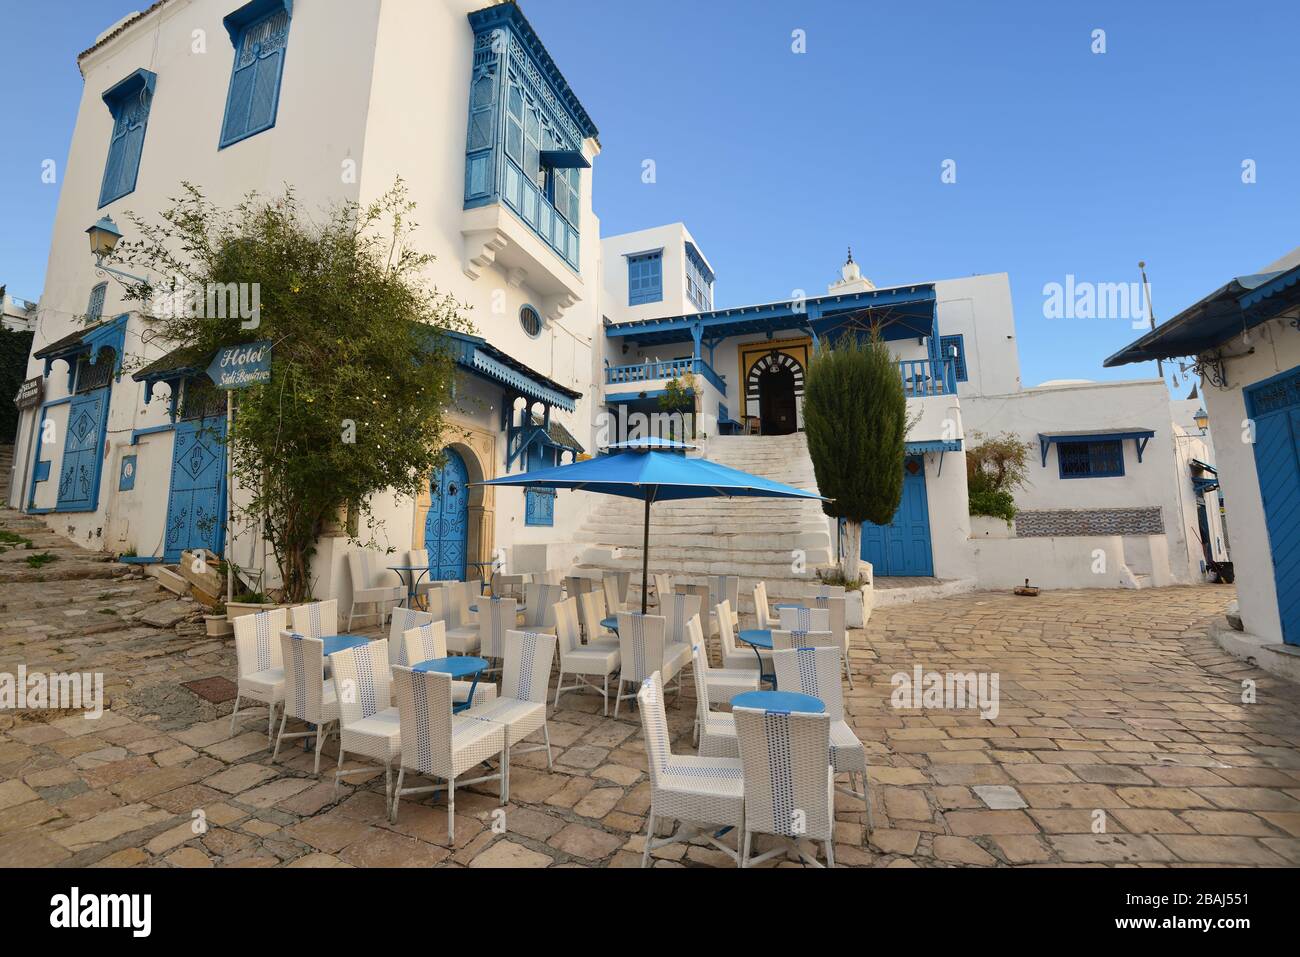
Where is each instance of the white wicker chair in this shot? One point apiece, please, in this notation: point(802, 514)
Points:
point(701, 794)
point(507, 586)
point(838, 608)
point(437, 744)
point(372, 584)
point(261, 667)
point(803, 618)
point(496, 616)
point(678, 610)
point(307, 695)
point(762, 609)
point(722, 684)
point(552, 576)
point(816, 671)
point(368, 723)
point(715, 730)
point(789, 784)
point(419, 558)
point(462, 625)
point(700, 591)
point(426, 642)
point(784, 640)
point(521, 708)
point(592, 607)
point(320, 619)
point(641, 653)
point(598, 659)
point(734, 657)
point(575, 585)
point(663, 584)
point(403, 620)
point(615, 586)
point(539, 606)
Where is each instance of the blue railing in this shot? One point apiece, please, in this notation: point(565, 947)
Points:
point(921, 379)
point(653, 369)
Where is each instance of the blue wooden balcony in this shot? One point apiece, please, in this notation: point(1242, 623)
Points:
point(652, 370)
point(925, 377)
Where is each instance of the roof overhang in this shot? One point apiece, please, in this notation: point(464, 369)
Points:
point(903, 312)
point(90, 341)
point(1242, 303)
point(486, 361)
point(1140, 438)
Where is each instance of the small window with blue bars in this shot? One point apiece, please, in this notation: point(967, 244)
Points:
point(129, 103)
point(954, 347)
point(699, 280)
point(260, 34)
point(1104, 459)
point(645, 278)
point(95, 308)
point(539, 503)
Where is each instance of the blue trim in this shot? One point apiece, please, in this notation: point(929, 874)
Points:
point(957, 341)
point(645, 278)
point(92, 503)
point(481, 358)
point(618, 397)
point(138, 434)
point(126, 144)
point(140, 560)
point(933, 445)
point(1140, 439)
point(238, 25)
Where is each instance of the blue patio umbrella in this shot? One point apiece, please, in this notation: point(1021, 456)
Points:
point(653, 470)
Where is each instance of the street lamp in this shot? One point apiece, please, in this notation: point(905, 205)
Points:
point(104, 237)
point(1202, 420)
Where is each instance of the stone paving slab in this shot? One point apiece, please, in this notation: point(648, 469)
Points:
point(1121, 738)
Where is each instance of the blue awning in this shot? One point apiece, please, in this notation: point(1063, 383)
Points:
point(1241, 304)
point(1140, 439)
point(903, 312)
point(487, 361)
point(933, 445)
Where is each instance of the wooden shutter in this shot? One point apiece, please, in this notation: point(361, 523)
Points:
point(255, 84)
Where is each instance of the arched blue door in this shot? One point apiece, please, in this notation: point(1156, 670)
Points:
point(446, 529)
point(902, 548)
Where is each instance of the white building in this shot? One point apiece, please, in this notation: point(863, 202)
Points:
point(334, 98)
point(1243, 340)
point(16, 315)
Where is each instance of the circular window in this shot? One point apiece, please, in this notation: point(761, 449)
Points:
point(531, 321)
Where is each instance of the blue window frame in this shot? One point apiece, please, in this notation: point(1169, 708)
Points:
point(128, 102)
point(95, 307)
point(539, 503)
point(259, 32)
point(699, 279)
point(955, 346)
point(1104, 459)
point(645, 278)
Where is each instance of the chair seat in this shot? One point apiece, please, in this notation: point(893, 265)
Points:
point(486, 691)
point(379, 736)
point(676, 656)
point(601, 643)
point(725, 683)
point(265, 685)
point(706, 790)
point(742, 659)
point(473, 742)
point(363, 596)
point(520, 718)
point(590, 660)
point(718, 736)
point(847, 751)
point(463, 639)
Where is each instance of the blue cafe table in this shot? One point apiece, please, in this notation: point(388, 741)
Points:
point(760, 639)
point(782, 701)
point(408, 575)
point(459, 666)
point(610, 623)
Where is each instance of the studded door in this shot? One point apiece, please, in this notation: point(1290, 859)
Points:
point(83, 450)
point(446, 528)
point(196, 505)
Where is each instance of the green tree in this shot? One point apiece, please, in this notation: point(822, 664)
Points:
point(361, 373)
point(855, 416)
point(995, 467)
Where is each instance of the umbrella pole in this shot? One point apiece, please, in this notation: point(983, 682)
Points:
point(645, 553)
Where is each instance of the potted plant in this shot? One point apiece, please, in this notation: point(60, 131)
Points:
point(217, 624)
point(995, 467)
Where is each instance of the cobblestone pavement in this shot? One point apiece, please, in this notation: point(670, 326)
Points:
point(1115, 712)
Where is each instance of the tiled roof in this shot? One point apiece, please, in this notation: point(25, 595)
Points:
point(119, 29)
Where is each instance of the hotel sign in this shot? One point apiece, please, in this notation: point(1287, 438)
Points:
point(237, 367)
point(30, 393)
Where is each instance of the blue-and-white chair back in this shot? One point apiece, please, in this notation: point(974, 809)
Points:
point(539, 602)
point(827, 591)
point(814, 671)
point(363, 680)
point(496, 616)
point(527, 671)
point(700, 657)
point(641, 644)
point(320, 619)
point(257, 640)
point(762, 609)
point(727, 627)
point(804, 639)
point(804, 618)
point(576, 585)
point(424, 710)
point(724, 588)
point(424, 643)
point(404, 619)
point(592, 607)
point(785, 757)
point(304, 677)
point(654, 726)
point(609, 585)
point(679, 609)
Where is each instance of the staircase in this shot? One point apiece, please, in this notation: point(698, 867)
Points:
point(6, 470)
point(754, 538)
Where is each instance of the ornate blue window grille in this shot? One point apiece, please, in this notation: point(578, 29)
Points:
point(539, 503)
point(260, 34)
point(129, 102)
point(525, 128)
point(1104, 459)
point(955, 347)
point(645, 278)
point(95, 307)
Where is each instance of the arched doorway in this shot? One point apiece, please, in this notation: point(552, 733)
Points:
point(446, 526)
point(777, 380)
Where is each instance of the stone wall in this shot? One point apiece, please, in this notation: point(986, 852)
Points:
point(1041, 523)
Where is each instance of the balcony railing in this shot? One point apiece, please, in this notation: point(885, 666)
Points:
point(921, 377)
point(653, 369)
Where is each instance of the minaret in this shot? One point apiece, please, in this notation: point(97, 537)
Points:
point(851, 279)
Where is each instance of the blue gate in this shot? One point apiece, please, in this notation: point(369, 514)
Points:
point(83, 450)
point(1274, 405)
point(196, 504)
point(446, 528)
point(902, 548)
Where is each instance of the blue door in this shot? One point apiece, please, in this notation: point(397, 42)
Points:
point(902, 548)
point(446, 528)
point(83, 450)
point(196, 504)
point(1275, 407)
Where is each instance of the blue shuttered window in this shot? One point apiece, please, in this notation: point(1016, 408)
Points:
point(955, 346)
point(699, 280)
point(129, 104)
point(645, 278)
point(95, 308)
point(539, 503)
point(254, 97)
point(1103, 459)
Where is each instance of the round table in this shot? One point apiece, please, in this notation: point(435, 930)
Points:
point(407, 573)
point(783, 702)
point(610, 623)
point(459, 666)
point(758, 638)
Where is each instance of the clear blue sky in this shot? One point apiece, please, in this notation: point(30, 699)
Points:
point(1067, 161)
